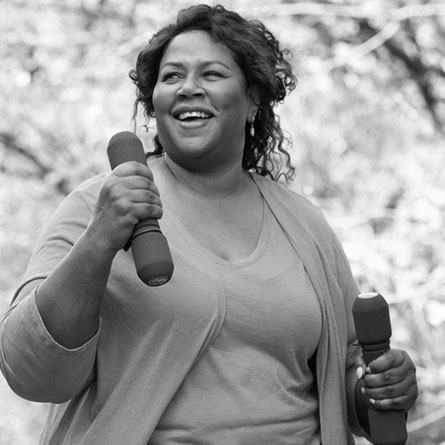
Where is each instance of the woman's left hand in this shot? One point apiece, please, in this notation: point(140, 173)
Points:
point(390, 381)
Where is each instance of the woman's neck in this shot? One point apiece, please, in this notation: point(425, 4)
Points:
point(224, 183)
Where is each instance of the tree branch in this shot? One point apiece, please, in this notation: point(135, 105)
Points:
point(374, 42)
point(349, 11)
point(396, 19)
point(10, 142)
point(426, 420)
point(418, 70)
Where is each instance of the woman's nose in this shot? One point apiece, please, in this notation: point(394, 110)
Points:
point(191, 86)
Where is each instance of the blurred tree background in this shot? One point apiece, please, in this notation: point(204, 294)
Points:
point(367, 122)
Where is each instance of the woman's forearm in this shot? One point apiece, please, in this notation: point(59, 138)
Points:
point(70, 298)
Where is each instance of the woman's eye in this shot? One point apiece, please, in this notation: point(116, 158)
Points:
point(170, 77)
point(213, 74)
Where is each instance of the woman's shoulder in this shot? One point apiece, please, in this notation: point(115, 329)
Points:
point(292, 207)
point(300, 214)
point(91, 185)
point(287, 195)
point(87, 191)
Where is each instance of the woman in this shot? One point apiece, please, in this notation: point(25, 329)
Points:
point(251, 341)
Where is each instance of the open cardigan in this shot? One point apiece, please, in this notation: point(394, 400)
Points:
point(101, 395)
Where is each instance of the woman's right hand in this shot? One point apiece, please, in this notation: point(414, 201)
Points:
point(127, 195)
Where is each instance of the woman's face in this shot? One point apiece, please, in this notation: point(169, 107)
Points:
point(201, 103)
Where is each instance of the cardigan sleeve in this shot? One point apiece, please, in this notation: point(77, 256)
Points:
point(349, 291)
point(357, 405)
point(36, 366)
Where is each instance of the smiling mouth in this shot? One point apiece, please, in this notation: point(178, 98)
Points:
point(192, 116)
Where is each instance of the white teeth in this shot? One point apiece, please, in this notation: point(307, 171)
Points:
point(189, 114)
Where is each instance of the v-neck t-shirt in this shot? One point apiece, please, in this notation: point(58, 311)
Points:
point(254, 384)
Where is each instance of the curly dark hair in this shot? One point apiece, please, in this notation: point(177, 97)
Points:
point(265, 68)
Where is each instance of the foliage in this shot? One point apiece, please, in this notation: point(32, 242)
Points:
point(367, 121)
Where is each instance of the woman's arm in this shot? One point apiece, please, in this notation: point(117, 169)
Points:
point(69, 299)
point(48, 341)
